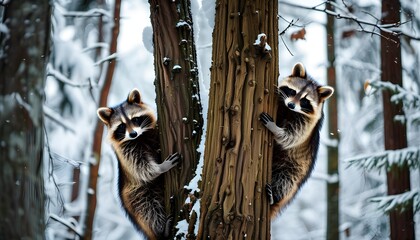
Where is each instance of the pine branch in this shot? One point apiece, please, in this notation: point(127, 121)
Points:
point(399, 93)
point(399, 201)
point(407, 156)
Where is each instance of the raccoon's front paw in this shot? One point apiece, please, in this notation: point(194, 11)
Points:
point(170, 162)
point(265, 118)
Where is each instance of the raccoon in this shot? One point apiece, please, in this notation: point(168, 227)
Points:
point(135, 140)
point(296, 135)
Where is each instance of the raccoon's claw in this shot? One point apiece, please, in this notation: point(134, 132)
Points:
point(170, 162)
point(265, 118)
point(269, 191)
point(168, 227)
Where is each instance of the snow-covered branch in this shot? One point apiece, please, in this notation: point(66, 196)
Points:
point(393, 28)
point(399, 93)
point(96, 45)
point(96, 12)
point(60, 77)
point(400, 201)
point(406, 156)
point(108, 58)
point(55, 117)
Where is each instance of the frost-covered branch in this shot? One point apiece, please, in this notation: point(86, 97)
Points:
point(96, 45)
point(96, 12)
point(399, 93)
point(399, 201)
point(392, 28)
point(108, 58)
point(60, 77)
point(55, 117)
point(401, 157)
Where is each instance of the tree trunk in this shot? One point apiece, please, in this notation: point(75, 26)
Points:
point(178, 100)
point(237, 158)
point(23, 56)
point(333, 187)
point(398, 178)
point(99, 129)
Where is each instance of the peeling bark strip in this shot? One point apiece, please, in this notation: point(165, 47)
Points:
point(238, 148)
point(177, 95)
point(24, 49)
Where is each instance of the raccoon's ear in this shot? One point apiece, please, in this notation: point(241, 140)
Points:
point(298, 71)
point(134, 96)
point(325, 92)
point(104, 114)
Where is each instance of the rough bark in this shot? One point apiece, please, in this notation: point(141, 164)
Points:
point(237, 158)
point(398, 178)
point(177, 96)
point(23, 56)
point(333, 188)
point(99, 129)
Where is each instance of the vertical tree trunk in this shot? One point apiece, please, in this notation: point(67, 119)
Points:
point(398, 178)
point(177, 89)
point(97, 138)
point(333, 187)
point(238, 148)
point(24, 48)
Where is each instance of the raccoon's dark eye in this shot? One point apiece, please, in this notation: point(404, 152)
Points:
point(139, 120)
point(305, 104)
point(119, 133)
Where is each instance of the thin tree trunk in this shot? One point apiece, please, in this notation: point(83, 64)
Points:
point(178, 100)
point(332, 150)
point(97, 139)
point(398, 178)
point(237, 158)
point(24, 48)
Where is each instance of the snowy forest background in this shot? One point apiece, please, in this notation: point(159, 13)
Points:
point(76, 69)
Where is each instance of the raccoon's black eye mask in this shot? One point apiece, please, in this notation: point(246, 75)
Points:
point(140, 120)
point(288, 91)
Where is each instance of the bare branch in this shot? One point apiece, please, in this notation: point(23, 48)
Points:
point(393, 28)
point(96, 12)
point(51, 114)
point(65, 223)
point(60, 77)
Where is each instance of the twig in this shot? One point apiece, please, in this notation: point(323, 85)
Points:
point(108, 58)
point(65, 223)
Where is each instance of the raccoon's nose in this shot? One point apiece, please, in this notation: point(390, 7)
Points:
point(291, 105)
point(133, 134)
